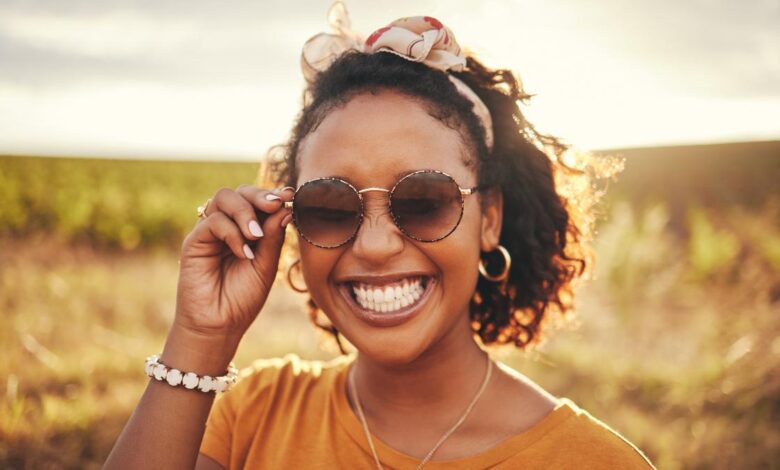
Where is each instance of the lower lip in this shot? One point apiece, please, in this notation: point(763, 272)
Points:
point(387, 319)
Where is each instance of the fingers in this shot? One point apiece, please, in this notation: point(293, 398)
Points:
point(274, 227)
point(240, 218)
point(248, 206)
point(267, 201)
point(218, 226)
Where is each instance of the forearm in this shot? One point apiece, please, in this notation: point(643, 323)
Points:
point(166, 428)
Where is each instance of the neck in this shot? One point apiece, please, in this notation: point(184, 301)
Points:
point(444, 378)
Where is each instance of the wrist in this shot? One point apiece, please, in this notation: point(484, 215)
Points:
point(199, 352)
point(190, 380)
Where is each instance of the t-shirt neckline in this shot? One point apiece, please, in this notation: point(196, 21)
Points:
point(395, 459)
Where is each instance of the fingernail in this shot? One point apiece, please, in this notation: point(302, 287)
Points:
point(286, 220)
point(254, 228)
point(248, 252)
point(288, 188)
point(272, 197)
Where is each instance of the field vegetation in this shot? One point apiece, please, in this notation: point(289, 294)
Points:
point(676, 343)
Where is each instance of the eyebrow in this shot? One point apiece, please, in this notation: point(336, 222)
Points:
point(397, 176)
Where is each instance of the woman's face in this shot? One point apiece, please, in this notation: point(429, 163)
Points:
point(370, 142)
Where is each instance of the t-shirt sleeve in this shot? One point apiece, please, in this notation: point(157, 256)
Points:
point(605, 447)
point(237, 413)
point(219, 428)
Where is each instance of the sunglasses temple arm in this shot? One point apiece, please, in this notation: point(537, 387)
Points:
point(468, 191)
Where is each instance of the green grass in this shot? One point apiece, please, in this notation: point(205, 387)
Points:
point(109, 203)
point(677, 346)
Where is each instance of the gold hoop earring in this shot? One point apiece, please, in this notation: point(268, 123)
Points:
point(504, 274)
point(289, 278)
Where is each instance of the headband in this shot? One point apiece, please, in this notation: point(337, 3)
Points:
point(416, 38)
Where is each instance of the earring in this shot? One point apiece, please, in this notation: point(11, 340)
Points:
point(289, 277)
point(504, 274)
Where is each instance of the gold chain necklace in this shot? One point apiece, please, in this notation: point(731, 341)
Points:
point(444, 437)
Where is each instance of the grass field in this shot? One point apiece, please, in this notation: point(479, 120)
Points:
point(678, 345)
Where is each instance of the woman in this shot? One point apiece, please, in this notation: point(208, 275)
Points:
point(428, 221)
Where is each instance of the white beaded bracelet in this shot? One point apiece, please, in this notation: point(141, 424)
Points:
point(190, 380)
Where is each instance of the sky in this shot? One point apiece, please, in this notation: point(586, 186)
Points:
point(221, 80)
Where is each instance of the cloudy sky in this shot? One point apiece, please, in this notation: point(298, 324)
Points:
point(221, 80)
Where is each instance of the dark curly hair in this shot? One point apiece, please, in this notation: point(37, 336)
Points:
point(548, 189)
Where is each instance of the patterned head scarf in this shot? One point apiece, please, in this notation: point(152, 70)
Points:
point(416, 38)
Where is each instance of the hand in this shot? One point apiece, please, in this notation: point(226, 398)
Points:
point(226, 271)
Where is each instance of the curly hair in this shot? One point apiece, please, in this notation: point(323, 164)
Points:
point(548, 189)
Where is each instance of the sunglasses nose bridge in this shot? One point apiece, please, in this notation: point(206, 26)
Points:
point(370, 204)
point(375, 207)
point(378, 236)
point(365, 190)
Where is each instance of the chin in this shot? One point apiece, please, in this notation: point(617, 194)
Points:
point(393, 350)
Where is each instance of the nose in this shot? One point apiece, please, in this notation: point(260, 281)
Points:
point(378, 238)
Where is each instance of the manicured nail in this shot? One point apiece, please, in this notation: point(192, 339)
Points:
point(254, 228)
point(248, 252)
point(287, 188)
point(272, 197)
point(286, 220)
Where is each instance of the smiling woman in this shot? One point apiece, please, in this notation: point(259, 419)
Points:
point(432, 222)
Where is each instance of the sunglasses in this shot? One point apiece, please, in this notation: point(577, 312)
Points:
point(426, 205)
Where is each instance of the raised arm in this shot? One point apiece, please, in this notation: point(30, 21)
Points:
point(226, 271)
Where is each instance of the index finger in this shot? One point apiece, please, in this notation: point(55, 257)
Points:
point(268, 201)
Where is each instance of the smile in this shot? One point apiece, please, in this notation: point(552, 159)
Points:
point(390, 297)
point(388, 303)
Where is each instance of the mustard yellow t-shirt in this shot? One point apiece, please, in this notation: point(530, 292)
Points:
point(293, 414)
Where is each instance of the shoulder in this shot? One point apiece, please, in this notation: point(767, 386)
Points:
point(272, 392)
point(278, 379)
point(592, 443)
point(558, 432)
point(272, 396)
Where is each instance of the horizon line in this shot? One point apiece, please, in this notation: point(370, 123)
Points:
point(201, 158)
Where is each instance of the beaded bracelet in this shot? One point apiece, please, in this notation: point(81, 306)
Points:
point(190, 380)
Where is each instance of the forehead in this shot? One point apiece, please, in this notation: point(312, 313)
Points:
point(375, 138)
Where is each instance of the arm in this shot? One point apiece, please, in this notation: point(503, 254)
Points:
point(223, 284)
point(166, 428)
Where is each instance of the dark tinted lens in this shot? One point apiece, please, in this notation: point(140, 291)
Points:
point(326, 212)
point(427, 205)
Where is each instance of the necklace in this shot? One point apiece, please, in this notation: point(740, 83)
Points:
point(441, 440)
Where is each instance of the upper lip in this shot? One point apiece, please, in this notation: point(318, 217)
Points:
point(382, 279)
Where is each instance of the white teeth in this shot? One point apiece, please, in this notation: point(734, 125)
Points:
point(389, 294)
point(388, 298)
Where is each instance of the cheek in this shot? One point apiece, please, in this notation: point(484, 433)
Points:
point(459, 276)
point(458, 258)
point(317, 265)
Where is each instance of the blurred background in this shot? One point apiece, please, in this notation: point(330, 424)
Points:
point(117, 119)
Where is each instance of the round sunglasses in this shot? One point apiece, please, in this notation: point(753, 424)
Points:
point(426, 205)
